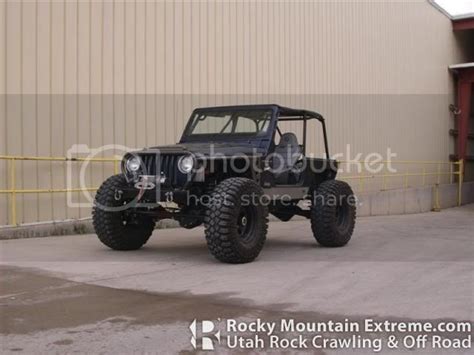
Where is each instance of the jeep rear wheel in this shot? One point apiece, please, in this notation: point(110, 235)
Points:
point(333, 213)
point(119, 227)
point(236, 221)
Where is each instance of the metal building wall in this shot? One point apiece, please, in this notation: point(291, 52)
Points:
point(130, 73)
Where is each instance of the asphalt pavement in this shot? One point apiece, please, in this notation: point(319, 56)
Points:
point(72, 294)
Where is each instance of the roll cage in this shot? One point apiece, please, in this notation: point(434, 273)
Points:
point(289, 114)
point(280, 113)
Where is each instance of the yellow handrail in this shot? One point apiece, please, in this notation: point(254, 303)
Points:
point(38, 191)
point(13, 191)
point(403, 162)
point(460, 181)
point(13, 188)
point(17, 157)
point(451, 173)
point(399, 175)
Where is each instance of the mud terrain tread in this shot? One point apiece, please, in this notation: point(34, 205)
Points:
point(323, 223)
point(108, 225)
point(221, 222)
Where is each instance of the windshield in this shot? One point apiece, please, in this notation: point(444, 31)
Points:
point(229, 123)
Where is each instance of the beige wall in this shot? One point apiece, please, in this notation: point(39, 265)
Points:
point(130, 73)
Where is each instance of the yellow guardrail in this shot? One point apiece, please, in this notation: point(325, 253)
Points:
point(459, 172)
point(13, 191)
point(362, 178)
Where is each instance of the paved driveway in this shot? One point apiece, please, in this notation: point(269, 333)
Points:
point(65, 294)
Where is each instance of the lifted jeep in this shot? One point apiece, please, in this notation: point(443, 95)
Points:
point(228, 173)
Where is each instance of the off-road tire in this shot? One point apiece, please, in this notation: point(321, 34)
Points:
point(226, 240)
point(333, 213)
point(109, 225)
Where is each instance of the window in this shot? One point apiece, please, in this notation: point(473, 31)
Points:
point(252, 122)
point(212, 124)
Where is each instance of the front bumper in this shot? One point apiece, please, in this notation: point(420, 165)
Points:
point(155, 195)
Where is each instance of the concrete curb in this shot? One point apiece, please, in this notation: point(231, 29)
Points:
point(380, 203)
point(57, 228)
point(412, 200)
point(61, 228)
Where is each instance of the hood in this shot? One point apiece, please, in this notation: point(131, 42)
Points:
point(209, 149)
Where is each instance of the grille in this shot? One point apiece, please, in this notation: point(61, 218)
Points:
point(162, 165)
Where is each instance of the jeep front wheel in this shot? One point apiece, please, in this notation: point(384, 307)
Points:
point(333, 213)
point(117, 226)
point(236, 221)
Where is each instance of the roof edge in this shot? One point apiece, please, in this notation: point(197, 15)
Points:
point(448, 15)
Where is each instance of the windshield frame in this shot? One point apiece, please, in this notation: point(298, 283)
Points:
point(226, 137)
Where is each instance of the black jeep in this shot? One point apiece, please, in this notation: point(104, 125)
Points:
point(227, 172)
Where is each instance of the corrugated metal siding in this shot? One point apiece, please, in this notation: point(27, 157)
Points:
point(130, 73)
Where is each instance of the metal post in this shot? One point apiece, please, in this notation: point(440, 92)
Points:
point(436, 207)
point(304, 135)
point(13, 191)
point(326, 146)
point(450, 173)
point(460, 180)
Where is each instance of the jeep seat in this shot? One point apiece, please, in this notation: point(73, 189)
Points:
point(286, 154)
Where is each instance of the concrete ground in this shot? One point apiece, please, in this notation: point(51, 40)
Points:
point(72, 294)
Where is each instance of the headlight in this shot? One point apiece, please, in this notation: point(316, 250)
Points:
point(186, 164)
point(133, 164)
